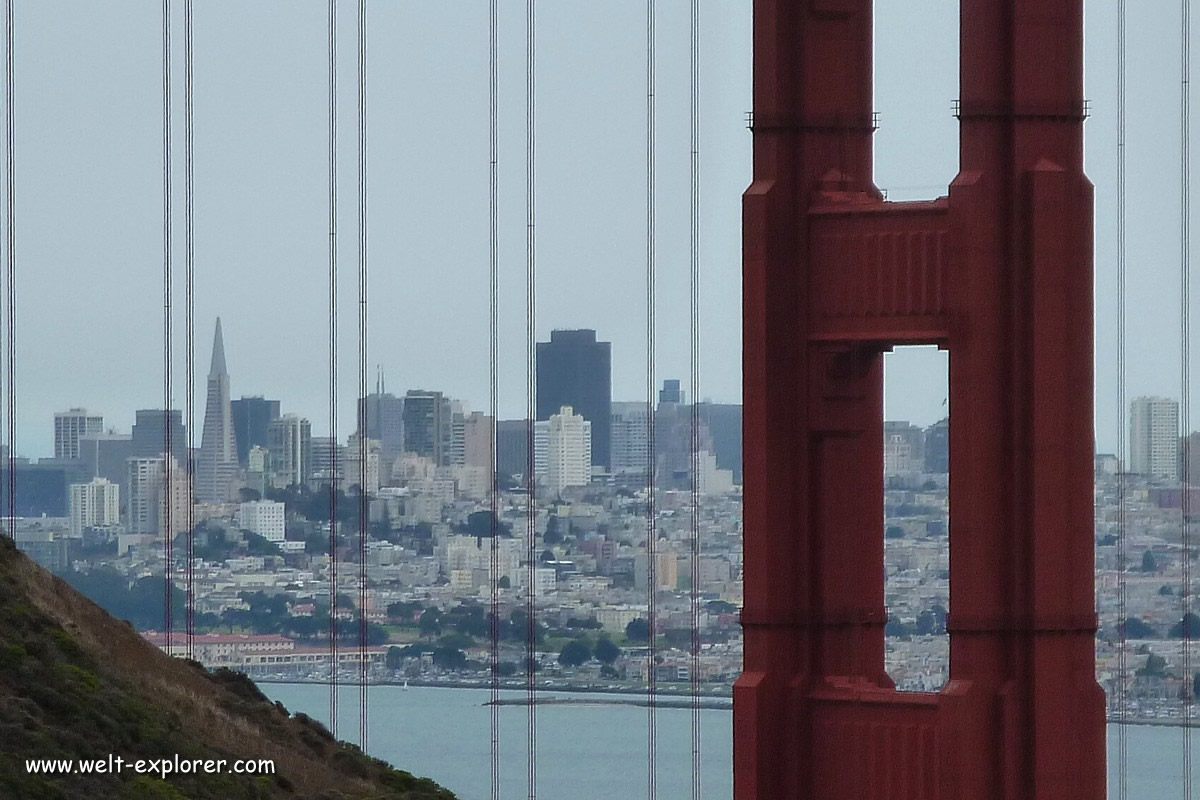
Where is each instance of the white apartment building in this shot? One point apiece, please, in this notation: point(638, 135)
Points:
point(563, 450)
point(711, 479)
point(352, 463)
point(145, 482)
point(630, 437)
point(264, 517)
point(174, 500)
point(69, 426)
point(1154, 437)
point(93, 505)
point(289, 445)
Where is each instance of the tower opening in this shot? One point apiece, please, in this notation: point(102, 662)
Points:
point(916, 80)
point(916, 517)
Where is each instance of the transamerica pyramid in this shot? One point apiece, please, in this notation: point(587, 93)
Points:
point(217, 463)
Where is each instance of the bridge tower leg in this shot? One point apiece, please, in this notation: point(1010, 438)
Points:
point(1000, 273)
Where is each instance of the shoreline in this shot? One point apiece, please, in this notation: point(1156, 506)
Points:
point(721, 700)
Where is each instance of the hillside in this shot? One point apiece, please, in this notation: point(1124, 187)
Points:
point(76, 683)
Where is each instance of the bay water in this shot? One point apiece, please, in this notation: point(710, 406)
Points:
point(598, 752)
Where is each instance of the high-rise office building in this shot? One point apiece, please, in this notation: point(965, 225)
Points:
point(670, 392)
point(149, 434)
point(903, 448)
point(252, 416)
point(512, 447)
point(217, 464)
point(69, 426)
point(630, 436)
point(290, 447)
point(724, 423)
point(937, 447)
point(40, 489)
point(384, 413)
point(563, 448)
point(104, 455)
point(1154, 437)
point(93, 505)
point(428, 426)
point(478, 430)
point(327, 458)
point(573, 369)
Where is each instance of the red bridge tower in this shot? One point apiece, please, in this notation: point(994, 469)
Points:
point(1000, 273)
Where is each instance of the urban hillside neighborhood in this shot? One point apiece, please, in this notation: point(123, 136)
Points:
point(251, 508)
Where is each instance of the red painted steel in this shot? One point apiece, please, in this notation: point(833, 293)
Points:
point(1000, 273)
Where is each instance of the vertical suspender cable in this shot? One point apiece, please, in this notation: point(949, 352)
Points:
point(493, 379)
point(363, 506)
point(531, 386)
point(11, 267)
point(333, 445)
point(651, 532)
point(1122, 541)
point(694, 328)
point(189, 323)
point(168, 476)
point(1185, 372)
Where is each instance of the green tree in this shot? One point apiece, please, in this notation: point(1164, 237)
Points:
point(456, 641)
point(403, 611)
point(479, 525)
point(1154, 666)
point(395, 656)
point(574, 653)
point(1189, 626)
point(1149, 563)
point(552, 535)
point(1135, 628)
point(606, 652)
point(504, 583)
point(638, 630)
point(431, 622)
point(894, 532)
point(720, 607)
point(449, 658)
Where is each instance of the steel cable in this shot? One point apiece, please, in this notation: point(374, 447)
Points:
point(651, 532)
point(333, 446)
point(189, 326)
point(1185, 377)
point(10, 266)
point(493, 380)
point(363, 506)
point(168, 476)
point(694, 328)
point(1122, 527)
point(531, 387)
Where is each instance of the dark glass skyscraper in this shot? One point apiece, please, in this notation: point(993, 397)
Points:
point(428, 429)
point(573, 369)
point(252, 417)
point(384, 413)
point(149, 434)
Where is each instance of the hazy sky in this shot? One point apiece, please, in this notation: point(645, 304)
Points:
point(89, 195)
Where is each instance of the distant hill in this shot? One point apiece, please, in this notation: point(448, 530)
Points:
point(76, 683)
